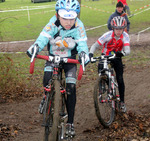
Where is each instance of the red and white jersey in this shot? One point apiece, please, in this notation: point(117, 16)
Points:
point(111, 44)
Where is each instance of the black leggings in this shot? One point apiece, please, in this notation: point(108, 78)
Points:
point(118, 67)
point(70, 74)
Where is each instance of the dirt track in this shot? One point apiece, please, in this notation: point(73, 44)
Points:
point(25, 118)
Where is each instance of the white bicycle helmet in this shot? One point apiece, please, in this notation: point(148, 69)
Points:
point(68, 9)
point(118, 22)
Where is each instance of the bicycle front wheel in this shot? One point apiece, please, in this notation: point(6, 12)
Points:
point(48, 113)
point(56, 113)
point(104, 108)
point(52, 113)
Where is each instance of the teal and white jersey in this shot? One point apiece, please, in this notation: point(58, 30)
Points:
point(64, 43)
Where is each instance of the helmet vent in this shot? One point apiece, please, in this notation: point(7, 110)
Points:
point(73, 5)
point(62, 5)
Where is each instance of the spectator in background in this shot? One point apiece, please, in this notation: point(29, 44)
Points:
point(119, 12)
point(126, 7)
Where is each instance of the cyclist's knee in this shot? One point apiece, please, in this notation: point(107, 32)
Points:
point(46, 78)
point(70, 88)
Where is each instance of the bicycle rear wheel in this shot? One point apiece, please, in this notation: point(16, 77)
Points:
point(51, 129)
point(104, 107)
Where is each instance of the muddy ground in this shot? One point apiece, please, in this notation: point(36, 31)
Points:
point(24, 122)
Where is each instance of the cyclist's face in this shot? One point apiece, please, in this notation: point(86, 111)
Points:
point(67, 23)
point(119, 9)
point(118, 32)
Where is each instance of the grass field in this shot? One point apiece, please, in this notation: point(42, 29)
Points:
point(17, 25)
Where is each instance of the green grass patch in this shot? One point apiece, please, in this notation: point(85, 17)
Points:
point(18, 26)
point(138, 58)
point(15, 80)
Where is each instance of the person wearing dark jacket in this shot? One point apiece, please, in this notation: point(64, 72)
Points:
point(119, 12)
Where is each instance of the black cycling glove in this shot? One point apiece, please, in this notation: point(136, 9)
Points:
point(119, 54)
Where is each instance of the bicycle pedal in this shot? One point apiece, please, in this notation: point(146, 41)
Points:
point(62, 114)
point(69, 136)
point(65, 116)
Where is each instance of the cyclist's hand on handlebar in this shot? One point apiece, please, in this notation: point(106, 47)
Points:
point(85, 58)
point(32, 49)
point(119, 54)
point(91, 58)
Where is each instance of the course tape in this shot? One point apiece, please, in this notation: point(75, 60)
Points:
point(30, 8)
point(112, 12)
point(86, 29)
point(11, 52)
point(95, 27)
point(141, 7)
point(51, 6)
point(142, 11)
point(96, 9)
point(14, 42)
point(138, 37)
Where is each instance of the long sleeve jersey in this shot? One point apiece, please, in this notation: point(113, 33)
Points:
point(111, 44)
point(76, 37)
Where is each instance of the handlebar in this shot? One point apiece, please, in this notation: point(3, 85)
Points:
point(55, 60)
point(103, 57)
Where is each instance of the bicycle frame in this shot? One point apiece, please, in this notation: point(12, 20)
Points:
point(105, 91)
point(55, 90)
point(57, 74)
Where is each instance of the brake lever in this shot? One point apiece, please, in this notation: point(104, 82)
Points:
point(34, 53)
point(93, 60)
point(82, 60)
point(32, 61)
point(112, 56)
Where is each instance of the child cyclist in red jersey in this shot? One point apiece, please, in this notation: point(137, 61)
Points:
point(115, 41)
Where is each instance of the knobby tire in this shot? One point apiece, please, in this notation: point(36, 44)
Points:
point(105, 111)
point(56, 117)
point(51, 130)
point(61, 131)
point(48, 113)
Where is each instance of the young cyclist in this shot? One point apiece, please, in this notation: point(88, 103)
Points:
point(65, 36)
point(119, 12)
point(115, 41)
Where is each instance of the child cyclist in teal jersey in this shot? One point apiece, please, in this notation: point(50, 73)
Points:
point(65, 36)
point(115, 41)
